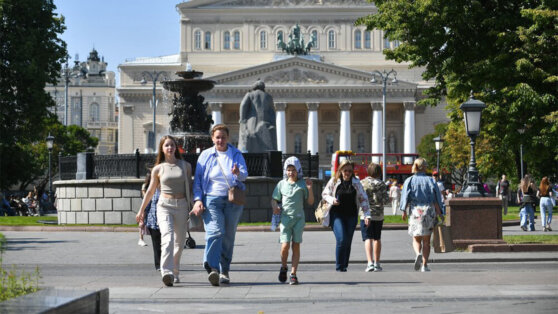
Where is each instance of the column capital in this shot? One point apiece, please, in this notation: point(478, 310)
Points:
point(409, 105)
point(280, 106)
point(216, 106)
point(312, 106)
point(376, 105)
point(345, 105)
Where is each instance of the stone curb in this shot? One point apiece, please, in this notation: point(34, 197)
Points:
point(524, 247)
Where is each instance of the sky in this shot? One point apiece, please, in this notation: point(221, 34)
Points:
point(120, 29)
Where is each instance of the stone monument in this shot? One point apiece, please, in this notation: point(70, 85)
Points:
point(257, 132)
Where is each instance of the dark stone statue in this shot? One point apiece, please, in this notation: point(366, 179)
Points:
point(257, 132)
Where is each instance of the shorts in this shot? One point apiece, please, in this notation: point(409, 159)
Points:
point(373, 231)
point(291, 229)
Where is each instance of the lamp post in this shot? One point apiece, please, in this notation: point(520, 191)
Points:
point(68, 73)
point(521, 131)
point(50, 145)
point(472, 111)
point(439, 142)
point(154, 76)
point(384, 76)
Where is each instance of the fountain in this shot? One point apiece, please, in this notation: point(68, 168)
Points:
point(190, 122)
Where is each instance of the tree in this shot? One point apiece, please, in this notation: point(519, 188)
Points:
point(504, 51)
point(31, 53)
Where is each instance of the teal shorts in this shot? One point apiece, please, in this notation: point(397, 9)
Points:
point(291, 229)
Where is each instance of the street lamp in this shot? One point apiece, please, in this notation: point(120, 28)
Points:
point(154, 76)
point(472, 111)
point(521, 130)
point(50, 145)
point(384, 76)
point(439, 142)
point(69, 73)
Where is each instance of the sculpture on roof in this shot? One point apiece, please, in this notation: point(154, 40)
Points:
point(296, 45)
point(257, 131)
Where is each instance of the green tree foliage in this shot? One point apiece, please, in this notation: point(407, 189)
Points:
point(31, 52)
point(505, 51)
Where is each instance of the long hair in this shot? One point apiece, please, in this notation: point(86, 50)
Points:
point(161, 155)
point(419, 165)
point(544, 186)
point(346, 162)
point(526, 183)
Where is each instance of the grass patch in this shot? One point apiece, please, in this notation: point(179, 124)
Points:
point(519, 239)
point(12, 283)
point(25, 220)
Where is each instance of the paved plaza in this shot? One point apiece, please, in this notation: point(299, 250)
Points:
point(460, 282)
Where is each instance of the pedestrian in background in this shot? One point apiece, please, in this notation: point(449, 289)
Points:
point(150, 222)
point(422, 198)
point(345, 194)
point(503, 192)
point(546, 203)
point(528, 198)
point(291, 192)
point(218, 169)
point(173, 176)
point(394, 195)
point(376, 191)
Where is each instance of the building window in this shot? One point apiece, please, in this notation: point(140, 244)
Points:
point(358, 39)
point(150, 139)
point(227, 41)
point(263, 40)
point(197, 40)
point(360, 142)
point(236, 35)
point(331, 39)
point(386, 43)
point(329, 143)
point(395, 43)
point(367, 40)
point(298, 143)
point(279, 35)
point(315, 35)
point(76, 111)
point(207, 43)
point(94, 112)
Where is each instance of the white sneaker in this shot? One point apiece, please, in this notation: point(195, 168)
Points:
point(224, 278)
point(213, 277)
point(142, 243)
point(369, 268)
point(176, 279)
point(377, 267)
point(424, 269)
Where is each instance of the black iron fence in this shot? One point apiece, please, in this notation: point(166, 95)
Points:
point(136, 165)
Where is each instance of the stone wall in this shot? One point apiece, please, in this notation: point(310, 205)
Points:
point(116, 201)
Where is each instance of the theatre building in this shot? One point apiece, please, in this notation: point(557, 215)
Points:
point(324, 101)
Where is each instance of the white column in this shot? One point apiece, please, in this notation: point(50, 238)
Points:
point(313, 127)
point(409, 131)
point(216, 112)
point(377, 130)
point(281, 125)
point(345, 126)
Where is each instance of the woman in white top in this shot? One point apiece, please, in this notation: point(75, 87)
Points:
point(174, 177)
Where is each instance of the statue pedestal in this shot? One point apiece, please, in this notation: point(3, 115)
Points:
point(474, 220)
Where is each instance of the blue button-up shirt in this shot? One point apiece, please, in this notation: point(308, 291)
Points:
point(207, 160)
point(419, 189)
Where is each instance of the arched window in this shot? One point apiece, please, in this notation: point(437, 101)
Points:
point(207, 42)
point(227, 40)
point(367, 40)
point(298, 143)
point(358, 39)
point(197, 40)
point(360, 142)
point(329, 143)
point(279, 34)
point(236, 35)
point(94, 112)
point(331, 39)
point(386, 43)
point(315, 35)
point(263, 40)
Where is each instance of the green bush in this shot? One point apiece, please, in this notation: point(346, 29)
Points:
point(12, 283)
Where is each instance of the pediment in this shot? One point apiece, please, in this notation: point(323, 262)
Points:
point(299, 72)
point(219, 4)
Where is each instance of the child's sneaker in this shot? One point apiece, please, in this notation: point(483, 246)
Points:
point(369, 268)
point(293, 280)
point(142, 243)
point(283, 274)
point(377, 267)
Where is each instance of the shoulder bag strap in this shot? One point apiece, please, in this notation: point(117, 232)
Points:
point(223, 172)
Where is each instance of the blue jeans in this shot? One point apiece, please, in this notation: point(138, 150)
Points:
point(546, 211)
point(220, 219)
point(343, 229)
point(527, 214)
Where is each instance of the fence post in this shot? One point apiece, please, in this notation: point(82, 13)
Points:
point(309, 164)
point(137, 163)
point(317, 157)
point(60, 165)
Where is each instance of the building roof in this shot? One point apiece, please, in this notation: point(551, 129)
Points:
point(161, 60)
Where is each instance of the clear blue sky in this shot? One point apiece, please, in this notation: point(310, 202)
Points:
point(120, 29)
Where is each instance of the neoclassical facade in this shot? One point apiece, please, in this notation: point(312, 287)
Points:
point(91, 101)
point(324, 101)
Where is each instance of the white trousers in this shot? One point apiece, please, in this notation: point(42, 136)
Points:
point(172, 217)
point(395, 206)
